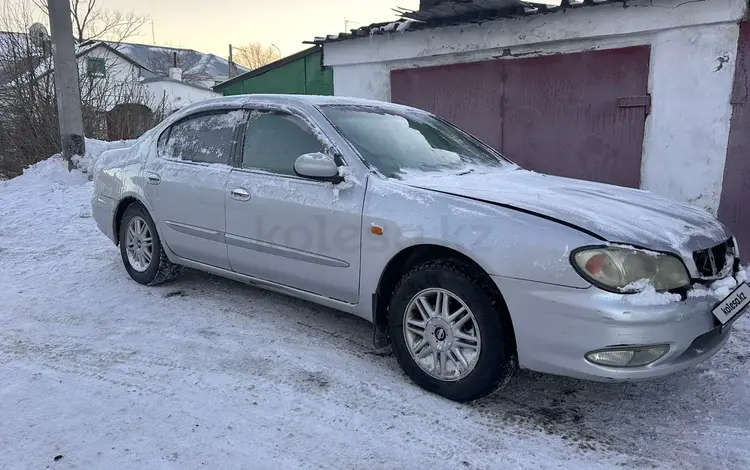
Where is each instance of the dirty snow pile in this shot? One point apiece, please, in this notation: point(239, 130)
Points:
point(52, 174)
point(100, 372)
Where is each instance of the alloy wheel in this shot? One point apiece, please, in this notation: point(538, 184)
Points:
point(442, 334)
point(139, 244)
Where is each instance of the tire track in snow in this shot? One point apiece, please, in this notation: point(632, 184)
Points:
point(276, 370)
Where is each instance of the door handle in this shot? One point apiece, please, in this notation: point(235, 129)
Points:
point(153, 178)
point(240, 194)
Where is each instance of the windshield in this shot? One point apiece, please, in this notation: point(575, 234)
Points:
point(397, 142)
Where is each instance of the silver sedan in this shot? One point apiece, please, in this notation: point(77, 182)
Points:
point(468, 266)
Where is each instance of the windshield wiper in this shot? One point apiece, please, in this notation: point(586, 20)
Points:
point(471, 170)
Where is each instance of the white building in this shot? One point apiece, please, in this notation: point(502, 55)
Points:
point(125, 85)
point(161, 79)
point(644, 93)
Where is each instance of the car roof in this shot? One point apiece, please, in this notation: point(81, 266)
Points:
point(310, 100)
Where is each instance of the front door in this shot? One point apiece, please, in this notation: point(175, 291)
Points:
point(187, 184)
point(287, 229)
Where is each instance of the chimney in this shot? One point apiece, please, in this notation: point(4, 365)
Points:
point(175, 73)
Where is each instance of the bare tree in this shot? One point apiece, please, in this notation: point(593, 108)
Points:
point(255, 55)
point(91, 21)
point(113, 107)
point(28, 110)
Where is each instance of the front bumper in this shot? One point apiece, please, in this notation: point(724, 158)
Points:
point(103, 211)
point(556, 326)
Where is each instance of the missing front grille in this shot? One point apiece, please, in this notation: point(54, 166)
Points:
point(716, 261)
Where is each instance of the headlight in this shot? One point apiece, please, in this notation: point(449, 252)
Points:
point(615, 268)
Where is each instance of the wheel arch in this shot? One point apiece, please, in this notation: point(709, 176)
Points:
point(401, 263)
point(122, 206)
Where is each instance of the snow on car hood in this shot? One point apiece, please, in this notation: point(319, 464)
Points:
point(614, 213)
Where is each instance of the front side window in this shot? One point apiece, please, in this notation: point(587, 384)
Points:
point(275, 140)
point(96, 67)
point(401, 141)
point(203, 139)
point(161, 144)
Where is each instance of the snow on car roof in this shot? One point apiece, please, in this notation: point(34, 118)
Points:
point(313, 100)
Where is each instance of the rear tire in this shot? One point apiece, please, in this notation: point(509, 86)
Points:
point(141, 250)
point(459, 340)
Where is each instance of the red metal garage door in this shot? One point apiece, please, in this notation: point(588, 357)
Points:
point(578, 115)
point(735, 196)
point(470, 95)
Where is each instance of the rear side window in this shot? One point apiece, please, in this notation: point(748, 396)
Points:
point(275, 140)
point(203, 139)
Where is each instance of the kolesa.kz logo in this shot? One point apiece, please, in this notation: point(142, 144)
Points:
point(734, 304)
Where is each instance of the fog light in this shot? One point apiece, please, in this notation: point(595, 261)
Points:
point(627, 357)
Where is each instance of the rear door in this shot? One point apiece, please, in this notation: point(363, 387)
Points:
point(187, 184)
point(287, 229)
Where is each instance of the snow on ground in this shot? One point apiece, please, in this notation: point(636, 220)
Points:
point(206, 372)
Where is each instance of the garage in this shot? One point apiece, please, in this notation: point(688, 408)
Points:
point(633, 93)
point(578, 115)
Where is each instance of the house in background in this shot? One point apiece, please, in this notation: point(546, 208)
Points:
point(649, 94)
point(131, 86)
point(301, 73)
point(205, 70)
point(132, 95)
point(171, 77)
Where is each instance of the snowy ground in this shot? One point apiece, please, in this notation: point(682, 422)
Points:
point(206, 372)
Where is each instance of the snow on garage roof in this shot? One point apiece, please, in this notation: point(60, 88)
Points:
point(450, 13)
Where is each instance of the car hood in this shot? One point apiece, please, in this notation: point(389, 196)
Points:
point(613, 213)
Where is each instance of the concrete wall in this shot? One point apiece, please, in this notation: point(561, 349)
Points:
point(687, 134)
point(693, 53)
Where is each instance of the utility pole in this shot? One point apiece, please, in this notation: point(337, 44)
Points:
point(67, 87)
point(231, 63)
point(277, 48)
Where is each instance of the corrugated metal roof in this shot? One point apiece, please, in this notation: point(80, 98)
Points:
point(452, 13)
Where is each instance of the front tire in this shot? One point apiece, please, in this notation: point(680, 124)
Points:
point(141, 250)
point(451, 331)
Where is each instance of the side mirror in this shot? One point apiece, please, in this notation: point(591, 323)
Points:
point(318, 166)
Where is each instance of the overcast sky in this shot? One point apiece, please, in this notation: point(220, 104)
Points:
point(211, 25)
